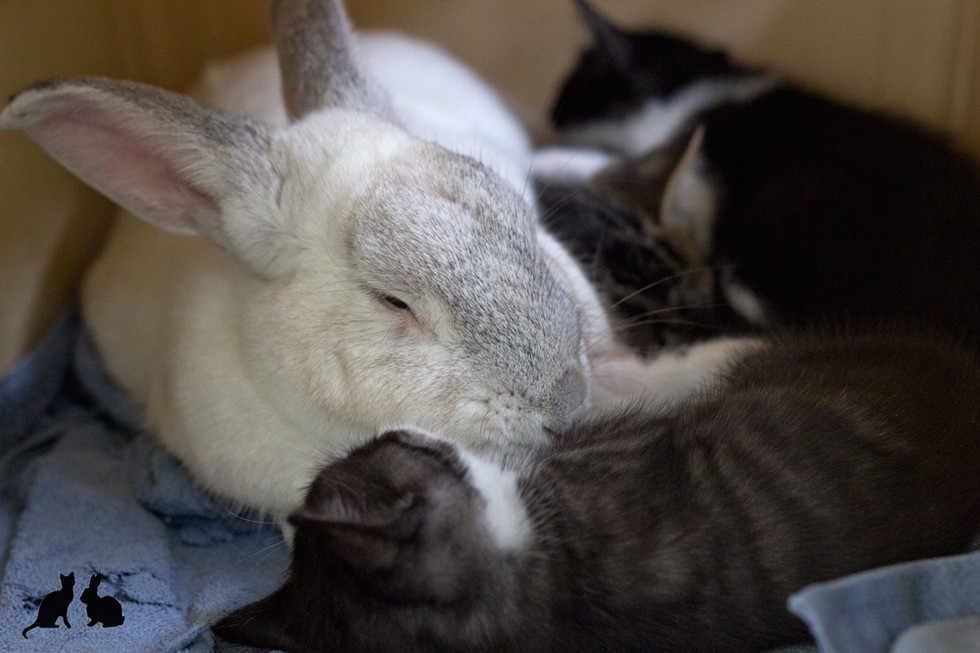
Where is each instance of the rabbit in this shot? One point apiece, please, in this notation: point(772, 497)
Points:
point(300, 278)
point(101, 609)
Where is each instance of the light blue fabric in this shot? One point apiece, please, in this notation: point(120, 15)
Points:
point(952, 636)
point(867, 612)
point(84, 491)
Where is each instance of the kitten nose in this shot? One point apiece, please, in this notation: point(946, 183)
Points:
point(569, 399)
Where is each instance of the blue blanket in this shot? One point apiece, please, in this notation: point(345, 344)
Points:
point(83, 490)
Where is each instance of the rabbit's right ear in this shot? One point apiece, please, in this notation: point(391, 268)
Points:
point(95, 580)
point(319, 60)
point(164, 157)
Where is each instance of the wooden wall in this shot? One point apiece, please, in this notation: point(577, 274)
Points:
point(919, 58)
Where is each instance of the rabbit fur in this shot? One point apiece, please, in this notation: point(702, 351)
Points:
point(305, 272)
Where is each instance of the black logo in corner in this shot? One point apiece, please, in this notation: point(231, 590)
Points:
point(55, 605)
point(105, 610)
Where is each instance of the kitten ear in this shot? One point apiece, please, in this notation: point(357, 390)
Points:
point(608, 38)
point(689, 202)
point(366, 537)
point(265, 624)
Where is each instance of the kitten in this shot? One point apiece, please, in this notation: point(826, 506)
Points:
point(810, 210)
point(659, 289)
point(649, 529)
point(54, 606)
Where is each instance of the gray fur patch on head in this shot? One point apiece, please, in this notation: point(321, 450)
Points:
point(466, 242)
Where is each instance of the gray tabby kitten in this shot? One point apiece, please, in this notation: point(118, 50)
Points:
point(652, 529)
point(659, 287)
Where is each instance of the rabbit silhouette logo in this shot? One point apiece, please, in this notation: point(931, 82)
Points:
point(105, 610)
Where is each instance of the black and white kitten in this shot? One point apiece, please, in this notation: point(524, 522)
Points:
point(680, 528)
point(810, 210)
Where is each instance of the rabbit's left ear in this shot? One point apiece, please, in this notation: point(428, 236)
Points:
point(95, 580)
point(169, 160)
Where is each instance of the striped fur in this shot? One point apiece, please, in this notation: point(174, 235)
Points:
point(650, 529)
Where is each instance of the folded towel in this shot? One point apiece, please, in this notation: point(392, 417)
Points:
point(83, 491)
point(868, 612)
point(952, 636)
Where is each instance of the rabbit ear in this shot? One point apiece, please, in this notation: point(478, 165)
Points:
point(319, 60)
point(366, 537)
point(264, 624)
point(95, 580)
point(166, 158)
point(609, 38)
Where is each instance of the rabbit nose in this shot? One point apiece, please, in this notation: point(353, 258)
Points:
point(569, 399)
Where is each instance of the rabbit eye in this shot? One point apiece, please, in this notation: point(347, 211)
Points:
point(394, 302)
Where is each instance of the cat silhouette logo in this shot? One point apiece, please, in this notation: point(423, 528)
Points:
point(55, 605)
point(105, 610)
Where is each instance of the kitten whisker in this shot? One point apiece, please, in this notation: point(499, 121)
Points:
point(267, 550)
point(639, 323)
point(658, 282)
point(671, 309)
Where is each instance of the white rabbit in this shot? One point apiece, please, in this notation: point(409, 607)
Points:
point(326, 276)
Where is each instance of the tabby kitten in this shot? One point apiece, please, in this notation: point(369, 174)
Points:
point(810, 210)
point(659, 288)
point(652, 528)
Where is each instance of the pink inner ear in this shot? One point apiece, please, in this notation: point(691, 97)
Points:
point(127, 167)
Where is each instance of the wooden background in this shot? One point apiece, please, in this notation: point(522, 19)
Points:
point(921, 58)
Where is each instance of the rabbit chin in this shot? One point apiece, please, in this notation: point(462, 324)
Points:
point(264, 456)
point(499, 431)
